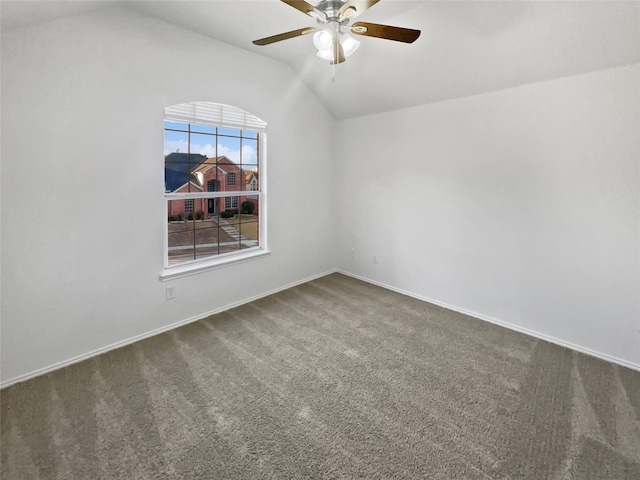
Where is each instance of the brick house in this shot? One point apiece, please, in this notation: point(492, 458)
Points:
point(193, 173)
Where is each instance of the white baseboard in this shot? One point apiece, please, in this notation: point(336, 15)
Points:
point(526, 331)
point(157, 331)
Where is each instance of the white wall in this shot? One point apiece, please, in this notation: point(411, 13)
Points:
point(520, 206)
point(82, 178)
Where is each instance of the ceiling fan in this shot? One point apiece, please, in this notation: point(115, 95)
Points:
point(332, 40)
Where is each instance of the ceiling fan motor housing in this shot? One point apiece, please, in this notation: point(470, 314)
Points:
point(331, 9)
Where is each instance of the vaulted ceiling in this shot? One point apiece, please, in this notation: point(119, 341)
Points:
point(466, 47)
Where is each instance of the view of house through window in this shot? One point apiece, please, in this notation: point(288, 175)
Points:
point(212, 187)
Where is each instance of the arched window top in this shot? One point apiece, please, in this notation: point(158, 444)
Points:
point(210, 113)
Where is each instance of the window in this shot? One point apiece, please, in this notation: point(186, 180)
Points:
point(208, 148)
point(231, 202)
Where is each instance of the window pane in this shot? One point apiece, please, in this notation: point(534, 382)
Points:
point(207, 242)
point(176, 176)
point(176, 125)
point(203, 128)
point(244, 225)
point(229, 131)
point(249, 134)
point(229, 148)
point(175, 142)
point(203, 144)
point(249, 233)
point(249, 151)
point(189, 209)
point(175, 210)
point(180, 242)
point(251, 177)
point(249, 206)
point(182, 172)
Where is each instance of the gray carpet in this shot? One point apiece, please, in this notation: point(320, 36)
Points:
point(335, 378)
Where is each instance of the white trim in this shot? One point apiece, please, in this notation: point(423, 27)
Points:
point(501, 323)
point(157, 331)
point(152, 333)
point(194, 267)
point(216, 194)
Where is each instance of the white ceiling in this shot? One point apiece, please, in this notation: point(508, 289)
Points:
point(466, 47)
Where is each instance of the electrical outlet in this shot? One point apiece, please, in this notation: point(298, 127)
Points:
point(171, 293)
point(353, 252)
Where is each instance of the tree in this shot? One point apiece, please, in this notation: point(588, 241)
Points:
point(248, 207)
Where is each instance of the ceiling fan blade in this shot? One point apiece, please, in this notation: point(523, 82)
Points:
point(284, 36)
point(399, 34)
point(338, 52)
point(353, 8)
point(305, 8)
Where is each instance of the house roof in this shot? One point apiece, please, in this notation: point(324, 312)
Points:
point(178, 169)
point(180, 158)
point(211, 162)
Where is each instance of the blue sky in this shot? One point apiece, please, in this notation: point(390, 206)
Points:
point(235, 148)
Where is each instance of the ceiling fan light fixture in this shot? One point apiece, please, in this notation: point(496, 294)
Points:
point(326, 54)
point(323, 40)
point(349, 44)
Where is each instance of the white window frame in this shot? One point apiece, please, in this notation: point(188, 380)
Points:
point(231, 176)
point(225, 116)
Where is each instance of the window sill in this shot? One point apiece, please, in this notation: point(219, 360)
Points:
point(180, 271)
